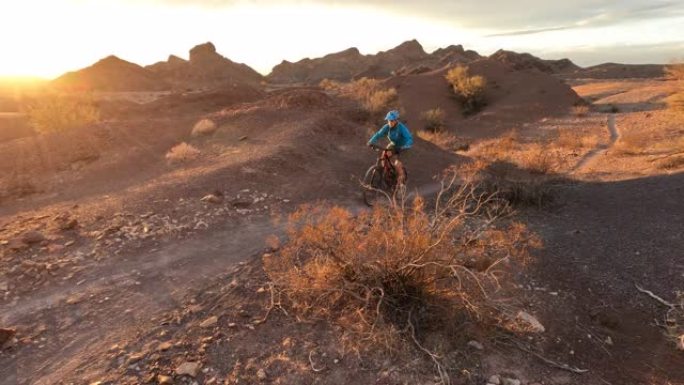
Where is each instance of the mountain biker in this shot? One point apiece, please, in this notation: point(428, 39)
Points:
point(400, 140)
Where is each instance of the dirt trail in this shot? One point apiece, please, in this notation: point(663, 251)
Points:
point(121, 296)
point(600, 149)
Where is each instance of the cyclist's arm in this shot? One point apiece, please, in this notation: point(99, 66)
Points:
point(408, 138)
point(381, 132)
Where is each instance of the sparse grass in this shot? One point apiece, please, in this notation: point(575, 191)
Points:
point(671, 162)
point(469, 89)
point(182, 153)
point(633, 143)
point(390, 275)
point(571, 139)
point(443, 139)
point(57, 113)
point(580, 111)
point(538, 159)
point(434, 119)
point(676, 101)
point(204, 127)
point(499, 148)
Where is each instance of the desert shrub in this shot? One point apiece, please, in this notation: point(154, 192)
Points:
point(57, 113)
point(671, 162)
point(469, 89)
point(390, 275)
point(580, 110)
point(675, 71)
point(434, 119)
point(676, 101)
point(182, 153)
point(538, 159)
point(516, 186)
point(372, 95)
point(445, 140)
point(574, 140)
point(204, 127)
point(381, 101)
point(499, 148)
point(330, 85)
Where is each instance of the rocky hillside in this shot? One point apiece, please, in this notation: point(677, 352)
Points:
point(112, 74)
point(521, 61)
point(408, 57)
point(205, 69)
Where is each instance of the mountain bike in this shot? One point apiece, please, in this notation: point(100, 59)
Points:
point(381, 179)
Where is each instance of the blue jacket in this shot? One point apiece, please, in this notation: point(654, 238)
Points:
point(399, 135)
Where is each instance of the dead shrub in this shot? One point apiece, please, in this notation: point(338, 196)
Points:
point(675, 102)
point(469, 89)
point(671, 162)
point(444, 140)
point(580, 111)
point(204, 127)
point(182, 153)
point(516, 186)
point(538, 159)
point(434, 119)
point(330, 85)
point(372, 95)
point(397, 272)
point(499, 148)
point(57, 113)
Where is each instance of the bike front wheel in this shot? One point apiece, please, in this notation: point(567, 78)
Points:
point(373, 186)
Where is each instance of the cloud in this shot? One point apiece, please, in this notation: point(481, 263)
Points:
point(511, 18)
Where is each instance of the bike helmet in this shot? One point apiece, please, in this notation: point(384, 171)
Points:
point(392, 115)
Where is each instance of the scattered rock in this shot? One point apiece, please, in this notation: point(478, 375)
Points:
point(261, 374)
point(162, 380)
point(188, 369)
point(532, 323)
point(32, 237)
point(164, 346)
point(67, 224)
point(6, 335)
point(510, 381)
point(609, 341)
point(475, 345)
point(209, 322)
point(212, 198)
point(240, 204)
point(204, 127)
point(494, 380)
point(4, 286)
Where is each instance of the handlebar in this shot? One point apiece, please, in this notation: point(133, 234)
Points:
point(378, 148)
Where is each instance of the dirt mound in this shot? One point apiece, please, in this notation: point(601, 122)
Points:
point(523, 61)
point(205, 69)
point(112, 74)
point(514, 97)
point(620, 71)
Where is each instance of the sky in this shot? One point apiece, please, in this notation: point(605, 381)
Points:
point(46, 38)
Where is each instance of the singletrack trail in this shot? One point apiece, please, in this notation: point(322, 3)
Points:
point(600, 149)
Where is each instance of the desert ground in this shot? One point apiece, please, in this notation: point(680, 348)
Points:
point(134, 249)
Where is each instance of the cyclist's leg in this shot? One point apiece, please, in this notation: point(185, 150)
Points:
point(399, 167)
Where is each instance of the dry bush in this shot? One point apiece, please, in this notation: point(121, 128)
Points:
point(204, 127)
point(675, 71)
point(445, 140)
point(382, 100)
point(539, 159)
point(434, 119)
point(57, 113)
point(182, 153)
point(516, 186)
point(499, 148)
point(390, 275)
point(671, 162)
point(676, 101)
point(580, 111)
point(574, 140)
point(372, 95)
point(633, 142)
point(470, 89)
point(330, 85)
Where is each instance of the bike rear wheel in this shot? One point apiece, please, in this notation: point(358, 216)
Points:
point(374, 188)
